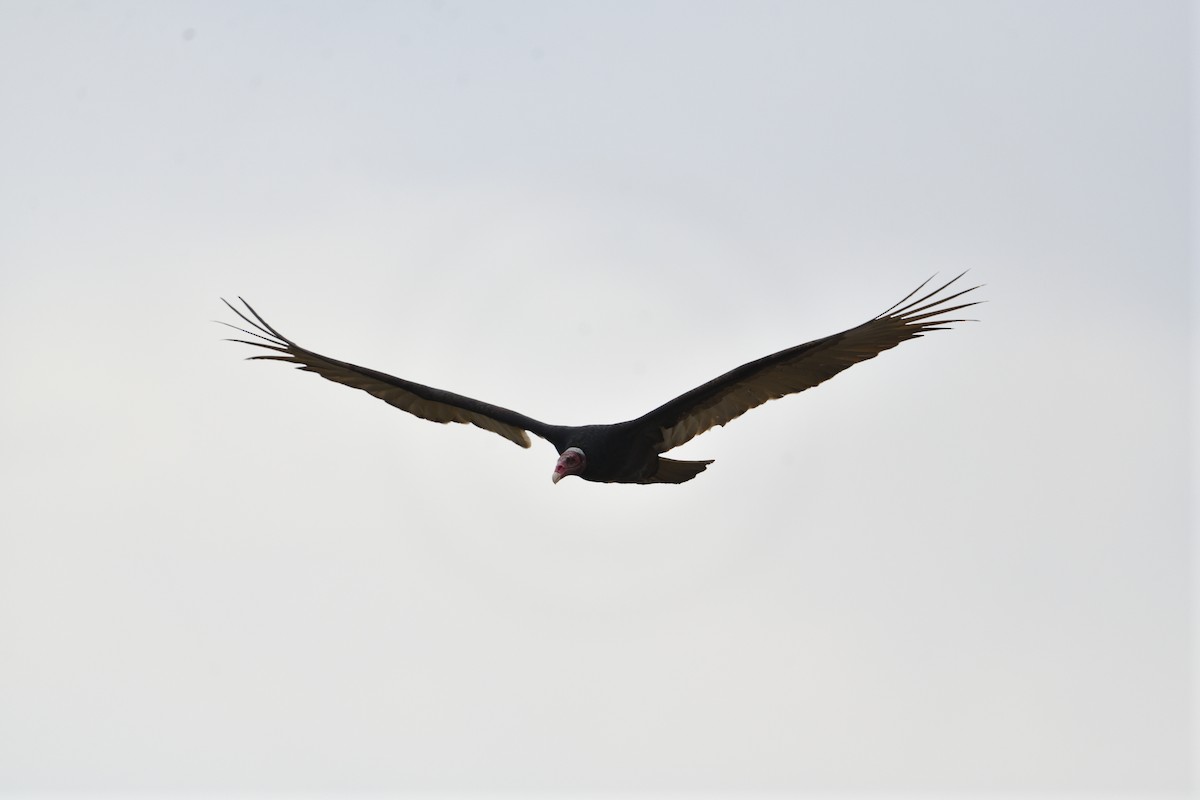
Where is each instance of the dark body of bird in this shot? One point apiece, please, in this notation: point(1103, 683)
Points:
point(631, 452)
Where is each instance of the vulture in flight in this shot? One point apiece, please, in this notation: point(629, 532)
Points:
point(631, 452)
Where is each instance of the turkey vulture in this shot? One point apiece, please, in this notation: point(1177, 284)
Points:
point(630, 452)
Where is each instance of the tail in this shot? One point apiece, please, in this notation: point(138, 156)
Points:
point(672, 471)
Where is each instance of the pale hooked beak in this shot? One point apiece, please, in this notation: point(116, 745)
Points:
point(557, 476)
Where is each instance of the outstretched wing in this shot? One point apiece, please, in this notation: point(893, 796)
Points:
point(425, 402)
point(802, 367)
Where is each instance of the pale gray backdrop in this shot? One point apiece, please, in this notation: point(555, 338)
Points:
point(963, 566)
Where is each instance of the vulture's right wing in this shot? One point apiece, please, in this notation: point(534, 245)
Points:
point(425, 402)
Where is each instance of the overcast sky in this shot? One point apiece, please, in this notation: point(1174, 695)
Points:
point(964, 566)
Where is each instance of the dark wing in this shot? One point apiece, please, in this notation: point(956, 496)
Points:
point(799, 368)
point(422, 401)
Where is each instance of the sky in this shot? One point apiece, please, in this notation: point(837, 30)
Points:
point(966, 566)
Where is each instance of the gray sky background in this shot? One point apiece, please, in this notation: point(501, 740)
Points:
point(964, 566)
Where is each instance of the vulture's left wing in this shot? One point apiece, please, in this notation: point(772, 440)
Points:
point(802, 367)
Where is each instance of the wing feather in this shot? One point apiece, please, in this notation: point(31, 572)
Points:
point(802, 367)
point(426, 402)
